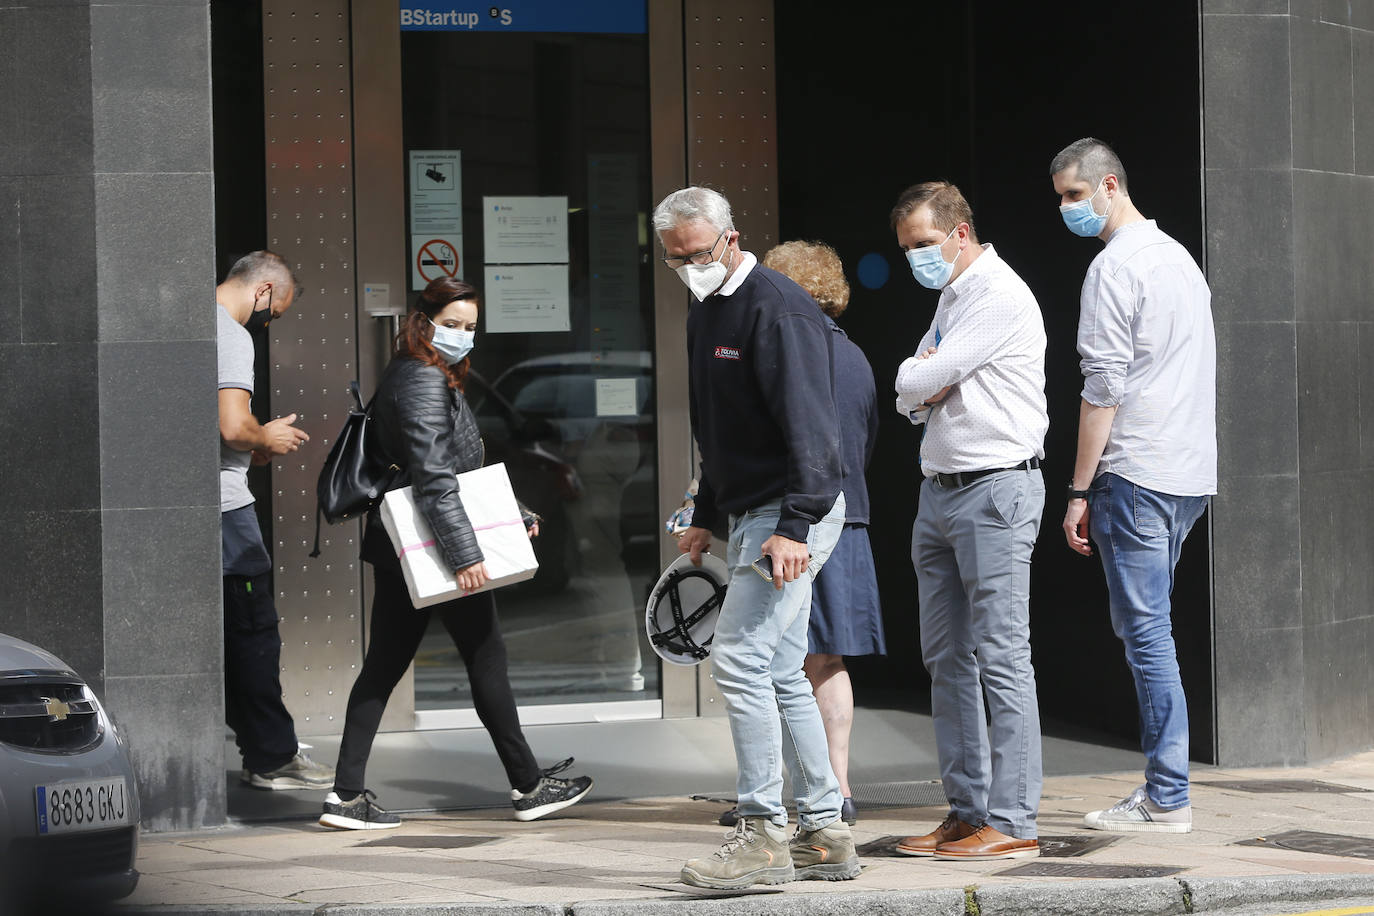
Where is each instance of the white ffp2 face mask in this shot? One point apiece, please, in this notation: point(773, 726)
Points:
point(703, 279)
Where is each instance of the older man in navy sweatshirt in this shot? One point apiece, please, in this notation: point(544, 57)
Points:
point(761, 383)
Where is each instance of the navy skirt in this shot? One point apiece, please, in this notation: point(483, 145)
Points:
point(846, 618)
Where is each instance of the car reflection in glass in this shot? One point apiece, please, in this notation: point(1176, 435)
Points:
point(577, 434)
point(69, 809)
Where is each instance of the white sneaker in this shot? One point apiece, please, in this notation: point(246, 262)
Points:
point(1137, 814)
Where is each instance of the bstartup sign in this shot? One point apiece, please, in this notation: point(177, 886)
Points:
point(604, 16)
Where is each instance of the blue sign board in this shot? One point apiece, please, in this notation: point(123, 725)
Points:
point(622, 16)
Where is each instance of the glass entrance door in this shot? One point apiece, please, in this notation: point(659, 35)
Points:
point(527, 154)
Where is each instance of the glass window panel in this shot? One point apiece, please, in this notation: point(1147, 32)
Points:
point(555, 116)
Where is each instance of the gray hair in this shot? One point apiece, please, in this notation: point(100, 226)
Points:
point(691, 205)
point(1095, 160)
point(264, 267)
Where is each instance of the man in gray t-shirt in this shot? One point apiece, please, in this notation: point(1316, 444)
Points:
point(258, 288)
point(1147, 452)
point(235, 372)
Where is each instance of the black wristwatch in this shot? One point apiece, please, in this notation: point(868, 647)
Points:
point(1076, 494)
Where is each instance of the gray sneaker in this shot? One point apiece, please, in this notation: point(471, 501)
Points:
point(826, 854)
point(1137, 814)
point(755, 852)
point(300, 772)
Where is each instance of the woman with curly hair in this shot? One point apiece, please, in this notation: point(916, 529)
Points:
point(422, 423)
point(846, 618)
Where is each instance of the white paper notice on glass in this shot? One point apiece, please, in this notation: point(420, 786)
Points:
point(616, 397)
point(526, 298)
point(436, 189)
point(525, 230)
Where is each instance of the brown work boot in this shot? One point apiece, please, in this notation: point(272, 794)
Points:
point(988, 843)
point(950, 829)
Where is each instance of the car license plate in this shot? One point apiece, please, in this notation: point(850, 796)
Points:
point(88, 804)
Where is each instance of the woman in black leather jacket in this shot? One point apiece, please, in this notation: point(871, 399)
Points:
point(423, 424)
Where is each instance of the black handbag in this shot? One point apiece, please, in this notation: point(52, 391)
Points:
point(354, 479)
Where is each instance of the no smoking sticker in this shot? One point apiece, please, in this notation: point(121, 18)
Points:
point(435, 258)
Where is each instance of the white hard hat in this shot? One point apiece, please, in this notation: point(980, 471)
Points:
point(683, 607)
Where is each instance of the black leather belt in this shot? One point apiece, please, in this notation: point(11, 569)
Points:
point(964, 477)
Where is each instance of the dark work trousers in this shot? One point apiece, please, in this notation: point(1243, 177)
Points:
point(263, 729)
point(396, 630)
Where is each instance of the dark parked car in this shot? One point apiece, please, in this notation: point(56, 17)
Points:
point(572, 458)
point(69, 808)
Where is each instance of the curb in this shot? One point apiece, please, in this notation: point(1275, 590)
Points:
point(1163, 896)
point(1226, 893)
point(1128, 897)
point(1142, 897)
point(945, 902)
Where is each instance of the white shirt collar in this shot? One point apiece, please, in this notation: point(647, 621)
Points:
point(736, 280)
point(977, 267)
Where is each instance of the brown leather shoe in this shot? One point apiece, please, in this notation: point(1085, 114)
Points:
point(987, 843)
point(950, 829)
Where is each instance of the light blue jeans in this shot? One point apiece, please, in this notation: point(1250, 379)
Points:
point(757, 656)
point(971, 546)
point(1139, 534)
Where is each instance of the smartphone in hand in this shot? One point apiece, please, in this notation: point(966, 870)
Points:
point(764, 567)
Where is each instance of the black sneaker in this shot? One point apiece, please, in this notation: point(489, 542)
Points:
point(362, 813)
point(550, 794)
point(729, 818)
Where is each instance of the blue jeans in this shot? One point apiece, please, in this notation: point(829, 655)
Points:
point(971, 546)
point(1139, 534)
point(757, 656)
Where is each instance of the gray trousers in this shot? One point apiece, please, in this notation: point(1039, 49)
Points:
point(971, 546)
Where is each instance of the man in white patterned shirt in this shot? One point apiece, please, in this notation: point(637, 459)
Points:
point(977, 383)
point(1147, 452)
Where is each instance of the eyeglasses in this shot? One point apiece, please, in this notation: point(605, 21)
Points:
point(705, 256)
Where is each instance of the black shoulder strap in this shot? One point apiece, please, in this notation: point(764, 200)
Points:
point(319, 514)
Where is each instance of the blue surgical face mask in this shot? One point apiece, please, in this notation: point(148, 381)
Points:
point(928, 264)
point(1082, 219)
point(453, 344)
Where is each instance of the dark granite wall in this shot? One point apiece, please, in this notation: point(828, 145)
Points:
point(109, 507)
point(1289, 158)
point(50, 543)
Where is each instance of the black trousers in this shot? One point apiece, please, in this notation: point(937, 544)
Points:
point(253, 707)
point(396, 630)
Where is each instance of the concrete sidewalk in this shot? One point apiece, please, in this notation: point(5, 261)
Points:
point(623, 858)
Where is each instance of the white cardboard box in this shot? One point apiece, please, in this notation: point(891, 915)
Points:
point(490, 504)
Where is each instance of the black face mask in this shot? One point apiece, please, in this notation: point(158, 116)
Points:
point(259, 319)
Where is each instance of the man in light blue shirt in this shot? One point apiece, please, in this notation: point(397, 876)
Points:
point(1147, 452)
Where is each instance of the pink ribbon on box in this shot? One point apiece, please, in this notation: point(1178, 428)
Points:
point(423, 544)
point(515, 521)
point(409, 547)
